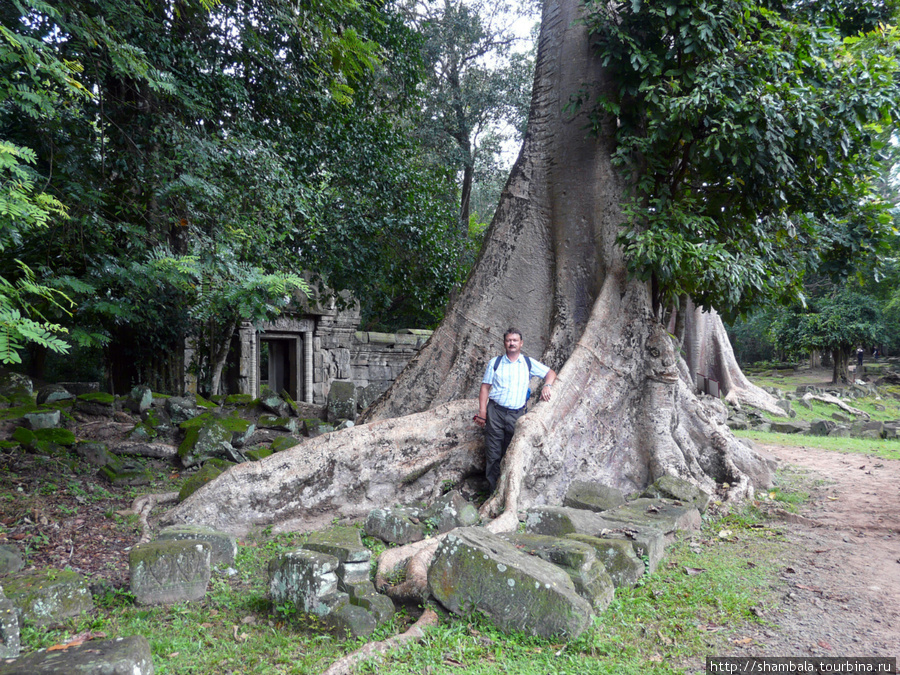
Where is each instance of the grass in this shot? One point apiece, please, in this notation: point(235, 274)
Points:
point(703, 594)
point(883, 449)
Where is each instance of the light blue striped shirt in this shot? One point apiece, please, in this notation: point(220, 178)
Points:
point(509, 383)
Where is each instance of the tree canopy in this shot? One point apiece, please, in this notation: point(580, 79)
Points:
point(269, 134)
point(750, 133)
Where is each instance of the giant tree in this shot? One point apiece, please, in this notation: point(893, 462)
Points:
point(684, 158)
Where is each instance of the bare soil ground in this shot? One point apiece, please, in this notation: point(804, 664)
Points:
point(840, 581)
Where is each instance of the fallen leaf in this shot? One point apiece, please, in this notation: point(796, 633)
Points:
point(743, 641)
point(452, 662)
point(174, 654)
point(248, 619)
point(724, 534)
point(656, 658)
point(824, 645)
point(693, 571)
point(790, 570)
point(663, 638)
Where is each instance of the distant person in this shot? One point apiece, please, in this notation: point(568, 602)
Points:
point(859, 357)
point(875, 353)
point(502, 399)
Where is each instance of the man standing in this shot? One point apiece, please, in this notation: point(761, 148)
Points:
point(502, 399)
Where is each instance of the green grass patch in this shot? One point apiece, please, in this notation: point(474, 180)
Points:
point(884, 449)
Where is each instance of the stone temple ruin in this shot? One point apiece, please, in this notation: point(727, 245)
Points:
point(310, 347)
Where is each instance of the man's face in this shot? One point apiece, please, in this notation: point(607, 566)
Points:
point(513, 343)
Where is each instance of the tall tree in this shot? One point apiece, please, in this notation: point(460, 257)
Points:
point(556, 262)
point(477, 87)
point(261, 133)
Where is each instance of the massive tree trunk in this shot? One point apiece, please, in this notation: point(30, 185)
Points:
point(623, 411)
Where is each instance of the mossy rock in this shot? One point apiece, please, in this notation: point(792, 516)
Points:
point(125, 471)
point(283, 443)
point(190, 440)
point(18, 411)
point(196, 422)
point(236, 425)
point(98, 397)
point(204, 403)
point(206, 473)
point(62, 437)
point(48, 596)
point(258, 454)
point(24, 437)
point(239, 399)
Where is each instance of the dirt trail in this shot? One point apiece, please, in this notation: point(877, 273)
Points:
point(840, 583)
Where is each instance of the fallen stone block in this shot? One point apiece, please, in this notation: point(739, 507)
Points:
point(139, 399)
point(46, 597)
point(363, 594)
point(43, 419)
point(559, 521)
point(395, 525)
point(10, 560)
point(476, 570)
point(10, 643)
point(305, 579)
point(592, 496)
point(821, 427)
point(350, 621)
point(125, 471)
point(451, 511)
point(222, 546)
point(121, 656)
point(657, 513)
point(577, 559)
point(169, 571)
point(672, 487)
point(345, 544)
point(618, 557)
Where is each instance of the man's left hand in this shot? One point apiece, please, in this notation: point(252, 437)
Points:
point(545, 393)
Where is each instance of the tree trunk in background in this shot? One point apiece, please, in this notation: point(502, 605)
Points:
point(840, 372)
point(707, 351)
point(623, 411)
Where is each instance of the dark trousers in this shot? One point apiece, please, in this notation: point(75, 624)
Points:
point(498, 432)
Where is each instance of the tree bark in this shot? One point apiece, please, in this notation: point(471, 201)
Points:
point(840, 372)
point(623, 411)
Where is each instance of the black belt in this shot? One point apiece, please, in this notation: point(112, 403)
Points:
point(506, 409)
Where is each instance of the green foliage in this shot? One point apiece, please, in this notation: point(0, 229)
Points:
point(248, 141)
point(840, 321)
point(750, 135)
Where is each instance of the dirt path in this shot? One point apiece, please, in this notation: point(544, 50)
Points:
point(840, 585)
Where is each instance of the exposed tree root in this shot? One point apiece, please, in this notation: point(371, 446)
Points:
point(834, 400)
point(415, 632)
point(143, 505)
point(416, 558)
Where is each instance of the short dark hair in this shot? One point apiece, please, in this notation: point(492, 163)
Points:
point(512, 331)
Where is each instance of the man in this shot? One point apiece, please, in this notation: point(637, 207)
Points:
point(502, 399)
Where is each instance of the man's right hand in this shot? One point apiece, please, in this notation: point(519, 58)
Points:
point(480, 420)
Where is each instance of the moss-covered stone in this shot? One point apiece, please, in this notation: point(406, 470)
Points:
point(62, 437)
point(204, 403)
point(476, 570)
point(171, 570)
point(48, 596)
point(206, 473)
point(284, 442)
point(239, 399)
point(125, 471)
point(257, 454)
point(223, 546)
point(24, 437)
point(98, 397)
point(196, 422)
